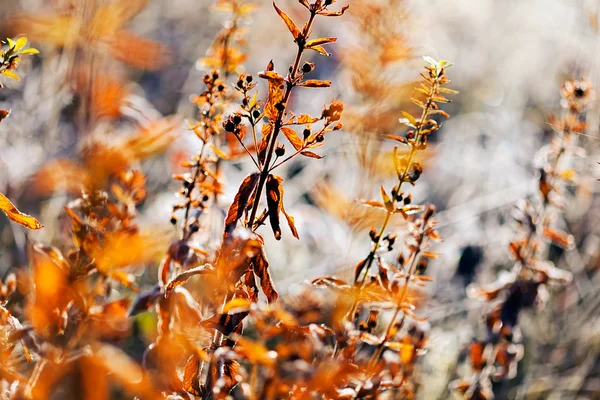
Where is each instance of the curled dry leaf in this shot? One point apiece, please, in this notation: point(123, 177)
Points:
point(260, 266)
point(17, 216)
point(183, 277)
point(240, 202)
point(275, 202)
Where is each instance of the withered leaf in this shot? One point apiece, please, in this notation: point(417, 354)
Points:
point(274, 202)
point(260, 265)
point(320, 49)
point(227, 374)
point(236, 210)
point(288, 21)
point(311, 154)
point(276, 89)
point(224, 323)
point(293, 137)
point(191, 379)
point(358, 269)
point(320, 41)
point(185, 276)
point(291, 223)
point(334, 13)
point(315, 83)
point(306, 119)
point(17, 216)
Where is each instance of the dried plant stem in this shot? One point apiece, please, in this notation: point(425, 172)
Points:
point(278, 122)
point(543, 222)
point(402, 179)
point(190, 189)
point(397, 310)
point(409, 163)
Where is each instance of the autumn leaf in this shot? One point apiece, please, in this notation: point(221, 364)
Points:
point(17, 216)
point(185, 276)
point(320, 49)
point(311, 154)
point(290, 24)
point(291, 223)
point(276, 91)
point(320, 41)
point(191, 379)
point(314, 83)
point(293, 137)
point(275, 202)
point(224, 323)
point(358, 269)
point(236, 210)
point(260, 265)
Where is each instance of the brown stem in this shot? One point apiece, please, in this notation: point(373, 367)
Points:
point(278, 122)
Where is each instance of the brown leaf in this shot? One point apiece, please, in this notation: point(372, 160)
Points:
point(185, 276)
point(288, 21)
point(291, 224)
point(191, 379)
point(315, 83)
point(274, 202)
point(306, 119)
point(236, 210)
point(260, 265)
point(358, 269)
point(320, 41)
point(276, 92)
point(228, 372)
point(17, 216)
point(224, 323)
point(311, 154)
point(293, 137)
point(320, 49)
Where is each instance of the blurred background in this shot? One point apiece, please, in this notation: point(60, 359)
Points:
point(510, 59)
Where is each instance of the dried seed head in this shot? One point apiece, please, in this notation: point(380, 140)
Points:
point(280, 150)
point(308, 67)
